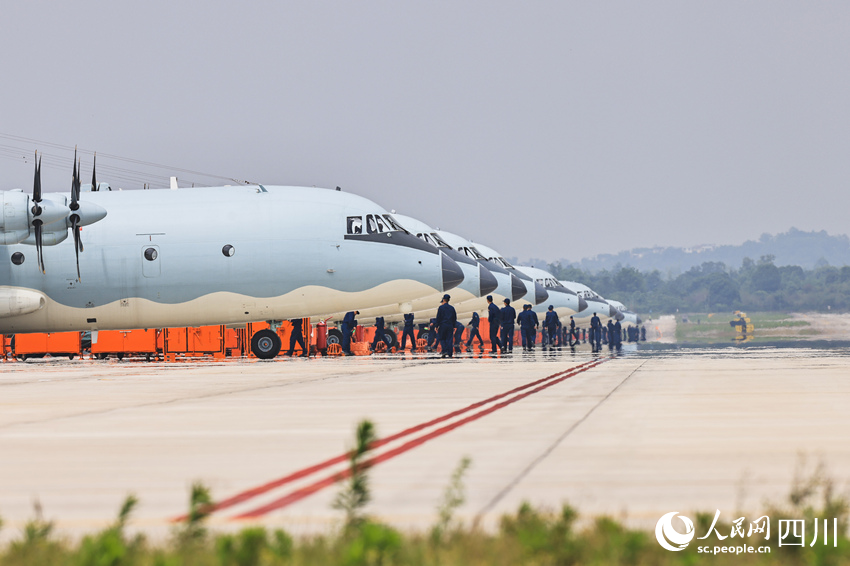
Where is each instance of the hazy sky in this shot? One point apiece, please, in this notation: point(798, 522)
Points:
point(558, 129)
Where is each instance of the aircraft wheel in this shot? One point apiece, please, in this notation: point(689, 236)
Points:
point(70, 356)
point(390, 338)
point(120, 355)
point(334, 336)
point(265, 344)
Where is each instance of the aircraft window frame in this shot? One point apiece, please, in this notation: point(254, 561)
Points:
point(375, 224)
point(354, 225)
point(441, 243)
point(425, 237)
point(478, 255)
point(393, 223)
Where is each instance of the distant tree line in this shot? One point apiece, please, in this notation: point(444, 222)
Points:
point(755, 286)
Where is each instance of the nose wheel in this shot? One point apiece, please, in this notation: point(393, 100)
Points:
point(265, 344)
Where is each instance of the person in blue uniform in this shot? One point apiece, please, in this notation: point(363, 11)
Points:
point(528, 323)
point(297, 336)
point(595, 333)
point(433, 338)
point(612, 340)
point(494, 320)
point(473, 332)
point(550, 327)
point(379, 333)
point(445, 322)
point(408, 331)
point(643, 333)
point(507, 316)
point(573, 337)
point(618, 333)
point(348, 326)
point(459, 328)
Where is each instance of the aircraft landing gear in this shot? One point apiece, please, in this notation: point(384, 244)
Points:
point(265, 344)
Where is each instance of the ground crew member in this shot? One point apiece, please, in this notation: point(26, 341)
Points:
point(408, 331)
point(618, 332)
point(643, 333)
point(445, 323)
point(459, 327)
point(550, 327)
point(473, 332)
point(612, 339)
point(573, 336)
point(297, 336)
point(507, 316)
point(528, 327)
point(494, 320)
point(379, 333)
point(605, 334)
point(595, 333)
point(432, 334)
point(348, 326)
point(536, 321)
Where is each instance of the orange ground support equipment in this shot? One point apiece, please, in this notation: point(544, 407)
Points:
point(36, 345)
point(195, 341)
point(284, 331)
point(5, 347)
point(128, 343)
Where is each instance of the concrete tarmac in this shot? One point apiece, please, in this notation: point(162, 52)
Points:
point(635, 436)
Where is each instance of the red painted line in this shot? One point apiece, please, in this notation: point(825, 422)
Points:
point(299, 474)
point(306, 491)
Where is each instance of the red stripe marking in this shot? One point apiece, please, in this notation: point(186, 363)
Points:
point(300, 494)
point(259, 490)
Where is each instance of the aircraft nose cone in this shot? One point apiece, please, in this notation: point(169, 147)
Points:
point(488, 282)
point(582, 304)
point(518, 289)
point(452, 273)
point(540, 293)
point(614, 313)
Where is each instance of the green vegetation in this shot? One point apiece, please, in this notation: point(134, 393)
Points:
point(713, 287)
point(713, 328)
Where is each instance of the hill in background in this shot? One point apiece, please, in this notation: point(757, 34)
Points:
point(794, 247)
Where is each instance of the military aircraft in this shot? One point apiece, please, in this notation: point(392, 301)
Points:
point(595, 303)
point(535, 292)
point(629, 317)
point(191, 257)
point(565, 301)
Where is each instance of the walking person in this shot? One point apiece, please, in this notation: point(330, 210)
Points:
point(550, 327)
point(379, 333)
point(507, 316)
point(297, 335)
point(595, 333)
point(494, 320)
point(348, 326)
point(408, 331)
point(445, 323)
point(473, 332)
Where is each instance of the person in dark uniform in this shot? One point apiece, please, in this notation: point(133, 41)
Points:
point(520, 317)
point(604, 334)
point(433, 335)
point(445, 322)
point(595, 333)
point(507, 316)
point(494, 320)
point(643, 333)
point(473, 332)
point(528, 323)
point(618, 332)
point(573, 335)
point(408, 331)
point(379, 333)
point(550, 327)
point(297, 336)
point(459, 328)
point(612, 339)
point(348, 326)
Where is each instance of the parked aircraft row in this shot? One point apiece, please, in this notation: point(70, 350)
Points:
point(233, 255)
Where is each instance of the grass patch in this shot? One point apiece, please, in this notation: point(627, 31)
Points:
point(700, 328)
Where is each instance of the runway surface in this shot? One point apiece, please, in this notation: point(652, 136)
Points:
point(634, 436)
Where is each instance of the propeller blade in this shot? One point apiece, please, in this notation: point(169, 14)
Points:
point(37, 225)
point(36, 187)
point(75, 186)
point(93, 175)
point(78, 244)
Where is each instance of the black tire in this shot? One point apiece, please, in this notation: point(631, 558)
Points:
point(334, 336)
point(265, 344)
point(120, 355)
point(70, 356)
point(147, 357)
point(391, 339)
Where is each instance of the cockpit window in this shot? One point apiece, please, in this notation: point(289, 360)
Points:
point(355, 225)
point(501, 261)
point(440, 242)
point(375, 224)
point(473, 252)
point(426, 237)
point(394, 225)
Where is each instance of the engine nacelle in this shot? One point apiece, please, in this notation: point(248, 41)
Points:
point(14, 217)
point(15, 302)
